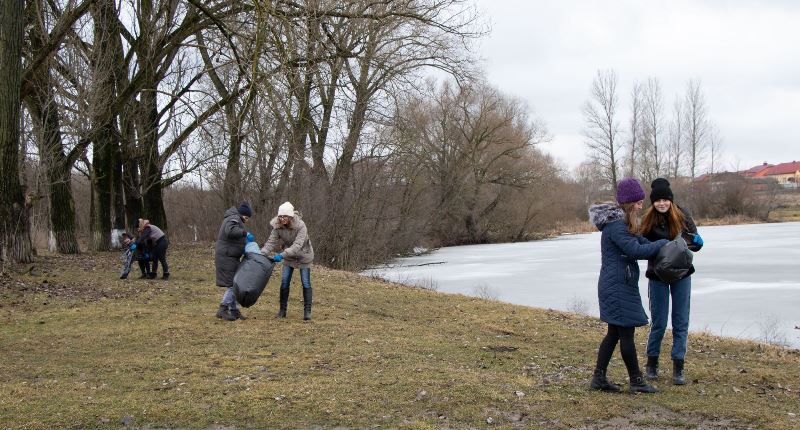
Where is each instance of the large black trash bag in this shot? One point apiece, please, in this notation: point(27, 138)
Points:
point(673, 261)
point(251, 278)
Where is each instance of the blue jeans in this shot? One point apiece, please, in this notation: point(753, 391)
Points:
point(229, 299)
point(659, 293)
point(286, 277)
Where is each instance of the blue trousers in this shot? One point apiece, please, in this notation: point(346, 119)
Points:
point(660, 293)
point(286, 277)
point(229, 299)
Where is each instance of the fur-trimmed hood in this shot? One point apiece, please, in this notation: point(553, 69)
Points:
point(602, 214)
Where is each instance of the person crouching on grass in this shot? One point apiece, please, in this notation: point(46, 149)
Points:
point(289, 237)
point(153, 240)
point(618, 284)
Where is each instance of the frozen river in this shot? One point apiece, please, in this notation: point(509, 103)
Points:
point(747, 283)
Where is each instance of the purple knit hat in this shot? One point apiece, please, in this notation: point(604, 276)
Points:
point(629, 190)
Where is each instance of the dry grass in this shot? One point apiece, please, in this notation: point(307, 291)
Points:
point(785, 214)
point(81, 349)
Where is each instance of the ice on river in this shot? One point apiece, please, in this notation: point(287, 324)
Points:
point(747, 283)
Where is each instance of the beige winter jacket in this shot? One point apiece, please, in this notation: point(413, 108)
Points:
point(292, 241)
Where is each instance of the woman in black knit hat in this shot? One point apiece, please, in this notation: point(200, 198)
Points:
point(666, 220)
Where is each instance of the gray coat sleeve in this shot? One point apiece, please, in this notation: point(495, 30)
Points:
point(234, 230)
point(272, 242)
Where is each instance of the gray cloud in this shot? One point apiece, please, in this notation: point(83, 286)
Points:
point(743, 52)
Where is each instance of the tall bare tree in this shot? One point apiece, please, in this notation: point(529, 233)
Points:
point(602, 125)
point(675, 143)
point(635, 127)
point(43, 107)
point(652, 152)
point(14, 229)
point(697, 126)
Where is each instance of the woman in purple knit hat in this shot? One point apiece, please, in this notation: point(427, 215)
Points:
point(618, 284)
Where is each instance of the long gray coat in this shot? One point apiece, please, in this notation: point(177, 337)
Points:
point(229, 247)
point(292, 241)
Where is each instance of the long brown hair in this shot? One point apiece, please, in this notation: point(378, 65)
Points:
point(675, 220)
point(631, 217)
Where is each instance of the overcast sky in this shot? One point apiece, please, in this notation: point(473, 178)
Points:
point(746, 55)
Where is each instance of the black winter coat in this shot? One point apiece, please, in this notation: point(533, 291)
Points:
point(229, 247)
point(661, 231)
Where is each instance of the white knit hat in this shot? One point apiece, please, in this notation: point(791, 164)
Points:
point(286, 209)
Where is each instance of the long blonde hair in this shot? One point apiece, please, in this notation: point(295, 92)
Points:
point(631, 216)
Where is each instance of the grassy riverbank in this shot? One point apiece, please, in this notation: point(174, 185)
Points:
point(82, 349)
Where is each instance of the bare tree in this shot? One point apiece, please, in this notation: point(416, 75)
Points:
point(652, 150)
point(635, 127)
point(602, 125)
point(715, 149)
point(697, 126)
point(14, 231)
point(675, 144)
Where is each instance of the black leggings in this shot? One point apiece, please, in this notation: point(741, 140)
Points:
point(159, 254)
point(627, 347)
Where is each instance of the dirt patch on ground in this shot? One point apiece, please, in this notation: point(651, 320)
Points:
point(53, 276)
point(16, 291)
point(656, 418)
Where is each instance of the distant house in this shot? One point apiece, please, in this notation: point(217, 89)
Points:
point(757, 171)
point(786, 174)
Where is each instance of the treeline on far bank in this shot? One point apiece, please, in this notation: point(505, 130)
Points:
point(390, 215)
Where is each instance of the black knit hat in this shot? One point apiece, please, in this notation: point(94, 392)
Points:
point(660, 190)
point(244, 209)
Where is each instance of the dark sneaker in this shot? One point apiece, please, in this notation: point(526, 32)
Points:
point(225, 314)
point(236, 314)
point(165, 276)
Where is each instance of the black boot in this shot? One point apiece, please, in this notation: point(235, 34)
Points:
point(237, 314)
point(600, 382)
point(640, 385)
point(284, 299)
point(225, 314)
point(307, 303)
point(677, 372)
point(651, 368)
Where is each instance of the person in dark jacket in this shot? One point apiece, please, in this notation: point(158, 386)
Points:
point(666, 220)
point(228, 251)
point(618, 284)
point(153, 240)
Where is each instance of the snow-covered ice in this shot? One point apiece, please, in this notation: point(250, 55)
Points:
point(747, 283)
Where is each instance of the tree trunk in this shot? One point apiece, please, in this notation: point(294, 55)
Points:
point(14, 230)
point(105, 142)
point(152, 191)
point(42, 106)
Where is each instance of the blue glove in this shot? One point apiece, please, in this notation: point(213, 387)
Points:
point(698, 240)
point(146, 256)
point(277, 258)
point(133, 247)
point(250, 237)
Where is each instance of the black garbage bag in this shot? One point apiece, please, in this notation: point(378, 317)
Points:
point(251, 278)
point(674, 261)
